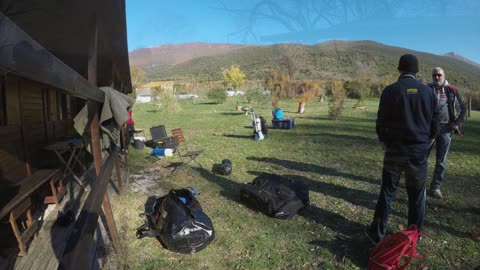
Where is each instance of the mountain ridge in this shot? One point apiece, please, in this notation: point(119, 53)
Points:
point(335, 58)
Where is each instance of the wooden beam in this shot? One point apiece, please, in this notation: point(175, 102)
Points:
point(47, 66)
point(107, 210)
point(95, 136)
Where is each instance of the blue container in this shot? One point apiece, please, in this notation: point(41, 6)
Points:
point(287, 123)
point(158, 152)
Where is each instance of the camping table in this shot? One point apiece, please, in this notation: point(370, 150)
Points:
point(74, 147)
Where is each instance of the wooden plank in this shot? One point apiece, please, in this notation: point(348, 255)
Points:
point(46, 250)
point(70, 80)
point(28, 233)
point(20, 209)
point(27, 187)
point(13, 101)
point(9, 130)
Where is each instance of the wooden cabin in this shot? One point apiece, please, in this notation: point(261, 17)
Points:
point(54, 56)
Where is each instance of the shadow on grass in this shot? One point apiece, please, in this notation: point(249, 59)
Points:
point(351, 244)
point(231, 113)
point(238, 136)
point(347, 139)
point(208, 103)
point(230, 189)
point(353, 196)
point(349, 240)
point(300, 166)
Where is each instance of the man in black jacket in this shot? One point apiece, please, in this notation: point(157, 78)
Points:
point(451, 112)
point(407, 124)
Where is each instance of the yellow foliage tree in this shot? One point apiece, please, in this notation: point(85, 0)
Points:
point(234, 76)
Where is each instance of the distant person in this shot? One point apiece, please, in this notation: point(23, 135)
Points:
point(130, 128)
point(451, 113)
point(407, 124)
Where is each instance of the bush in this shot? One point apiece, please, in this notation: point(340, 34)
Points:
point(259, 98)
point(336, 101)
point(358, 88)
point(217, 95)
point(169, 102)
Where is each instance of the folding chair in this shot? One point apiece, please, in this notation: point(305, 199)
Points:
point(185, 153)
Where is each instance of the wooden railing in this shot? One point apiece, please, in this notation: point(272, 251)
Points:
point(78, 247)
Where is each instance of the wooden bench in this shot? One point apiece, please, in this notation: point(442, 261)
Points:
point(19, 207)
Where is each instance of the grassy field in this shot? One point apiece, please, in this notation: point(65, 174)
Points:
point(339, 161)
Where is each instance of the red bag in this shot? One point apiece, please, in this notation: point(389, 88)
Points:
point(388, 254)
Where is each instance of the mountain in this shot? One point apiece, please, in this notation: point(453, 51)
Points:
point(458, 56)
point(166, 55)
point(332, 59)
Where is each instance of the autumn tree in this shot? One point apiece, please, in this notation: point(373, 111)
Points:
point(278, 83)
point(234, 76)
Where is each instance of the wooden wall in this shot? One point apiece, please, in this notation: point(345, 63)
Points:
point(37, 115)
point(12, 165)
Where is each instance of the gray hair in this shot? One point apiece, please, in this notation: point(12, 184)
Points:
point(438, 69)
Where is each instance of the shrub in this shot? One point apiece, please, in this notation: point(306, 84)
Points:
point(169, 102)
point(337, 99)
point(258, 98)
point(217, 95)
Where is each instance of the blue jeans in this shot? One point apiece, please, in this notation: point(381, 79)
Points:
point(411, 159)
point(442, 144)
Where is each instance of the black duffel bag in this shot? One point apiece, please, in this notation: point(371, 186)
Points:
point(275, 196)
point(178, 222)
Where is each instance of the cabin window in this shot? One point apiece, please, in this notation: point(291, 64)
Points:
point(3, 102)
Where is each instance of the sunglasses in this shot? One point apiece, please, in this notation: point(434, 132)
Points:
point(436, 75)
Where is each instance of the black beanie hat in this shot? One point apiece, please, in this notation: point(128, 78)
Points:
point(408, 63)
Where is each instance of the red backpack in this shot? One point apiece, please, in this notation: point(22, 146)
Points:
point(388, 254)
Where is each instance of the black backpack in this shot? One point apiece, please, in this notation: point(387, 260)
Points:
point(275, 196)
point(264, 126)
point(178, 222)
point(226, 167)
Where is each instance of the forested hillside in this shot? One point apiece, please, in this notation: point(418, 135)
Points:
point(334, 59)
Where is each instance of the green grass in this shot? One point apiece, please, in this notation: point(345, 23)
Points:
point(340, 162)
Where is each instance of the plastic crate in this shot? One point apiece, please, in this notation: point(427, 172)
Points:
point(287, 123)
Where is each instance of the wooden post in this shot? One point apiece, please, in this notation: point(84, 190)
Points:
point(95, 135)
point(107, 210)
point(119, 176)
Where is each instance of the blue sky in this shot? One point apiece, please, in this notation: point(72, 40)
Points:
point(435, 26)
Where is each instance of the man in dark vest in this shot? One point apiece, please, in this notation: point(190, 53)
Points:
point(451, 112)
point(407, 124)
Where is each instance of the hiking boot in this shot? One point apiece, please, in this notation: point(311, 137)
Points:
point(374, 239)
point(436, 193)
